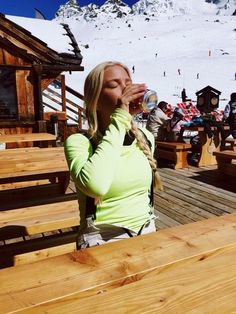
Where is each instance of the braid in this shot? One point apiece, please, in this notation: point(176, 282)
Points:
point(142, 144)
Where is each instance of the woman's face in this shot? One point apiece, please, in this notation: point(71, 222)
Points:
point(114, 82)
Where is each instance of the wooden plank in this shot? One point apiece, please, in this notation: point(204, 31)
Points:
point(37, 247)
point(182, 287)
point(227, 154)
point(202, 195)
point(187, 175)
point(210, 177)
point(55, 283)
point(38, 219)
point(29, 257)
point(27, 137)
point(167, 221)
point(40, 194)
point(180, 210)
point(174, 145)
point(225, 162)
point(200, 202)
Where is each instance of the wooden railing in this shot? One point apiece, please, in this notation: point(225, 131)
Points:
point(58, 101)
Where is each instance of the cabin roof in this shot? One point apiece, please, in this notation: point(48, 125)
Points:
point(207, 89)
point(31, 38)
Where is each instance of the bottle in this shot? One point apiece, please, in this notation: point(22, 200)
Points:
point(146, 103)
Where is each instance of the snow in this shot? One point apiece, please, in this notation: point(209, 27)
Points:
point(50, 32)
point(180, 42)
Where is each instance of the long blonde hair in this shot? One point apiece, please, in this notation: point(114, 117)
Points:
point(92, 89)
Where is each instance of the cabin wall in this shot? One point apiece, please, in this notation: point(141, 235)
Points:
point(25, 89)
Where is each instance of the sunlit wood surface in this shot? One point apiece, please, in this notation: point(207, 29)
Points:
point(185, 269)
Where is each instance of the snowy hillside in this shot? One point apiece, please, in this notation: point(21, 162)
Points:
point(193, 44)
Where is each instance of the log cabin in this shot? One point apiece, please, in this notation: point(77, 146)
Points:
point(28, 65)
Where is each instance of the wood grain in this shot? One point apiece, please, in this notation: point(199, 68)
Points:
point(187, 268)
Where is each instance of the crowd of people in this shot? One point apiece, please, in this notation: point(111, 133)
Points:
point(113, 164)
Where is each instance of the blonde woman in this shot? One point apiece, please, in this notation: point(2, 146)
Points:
point(112, 166)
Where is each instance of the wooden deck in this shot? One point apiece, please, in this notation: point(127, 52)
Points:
point(194, 194)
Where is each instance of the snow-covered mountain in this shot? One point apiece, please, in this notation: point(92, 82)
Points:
point(159, 37)
point(150, 8)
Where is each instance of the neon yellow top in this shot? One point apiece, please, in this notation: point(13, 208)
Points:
point(120, 175)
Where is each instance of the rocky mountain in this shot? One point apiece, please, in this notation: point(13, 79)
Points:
point(148, 8)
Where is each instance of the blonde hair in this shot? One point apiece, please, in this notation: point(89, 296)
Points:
point(92, 89)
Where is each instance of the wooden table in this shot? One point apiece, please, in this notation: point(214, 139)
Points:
point(226, 162)
point(186, 269)
point(48, 138)
point(208, 145)
point(34, 164)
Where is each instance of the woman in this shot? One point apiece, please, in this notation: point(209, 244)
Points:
point(112, 166)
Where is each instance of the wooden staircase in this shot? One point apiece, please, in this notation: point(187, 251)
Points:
point(65, 99)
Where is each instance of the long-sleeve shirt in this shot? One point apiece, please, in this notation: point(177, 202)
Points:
point(120, 175)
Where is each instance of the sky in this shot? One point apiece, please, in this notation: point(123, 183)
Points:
point(48, 8)
point(26, 8)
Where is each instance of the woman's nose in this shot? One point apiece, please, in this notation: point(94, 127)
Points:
point(124, 85)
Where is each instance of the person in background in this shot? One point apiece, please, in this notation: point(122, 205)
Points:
point(183, 95)
point(229, 116)
point(173, 127)
point(113, 165)
point(156, 118)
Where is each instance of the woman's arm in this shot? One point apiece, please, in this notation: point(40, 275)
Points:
point(93, 172)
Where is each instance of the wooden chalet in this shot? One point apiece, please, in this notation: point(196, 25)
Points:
point(27, 66)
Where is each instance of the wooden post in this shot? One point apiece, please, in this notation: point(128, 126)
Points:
point(63, 93)
point(63, 104)
point(38, 102)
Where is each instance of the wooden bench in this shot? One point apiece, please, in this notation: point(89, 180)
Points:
point(177, 270)
point(38, 231)
point(173, 152)
point(41, 139)
point(232, 142)
point(225, 162)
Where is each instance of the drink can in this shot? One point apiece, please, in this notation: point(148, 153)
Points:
point(147, 102)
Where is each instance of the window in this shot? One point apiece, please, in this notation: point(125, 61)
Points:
point(8, 101)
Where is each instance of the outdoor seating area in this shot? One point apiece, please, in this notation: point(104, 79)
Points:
point(38, 231)
point(112, 242)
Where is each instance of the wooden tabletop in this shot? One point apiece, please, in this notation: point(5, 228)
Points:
point(186, 269)
point(27, 137)
point(31, 164)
